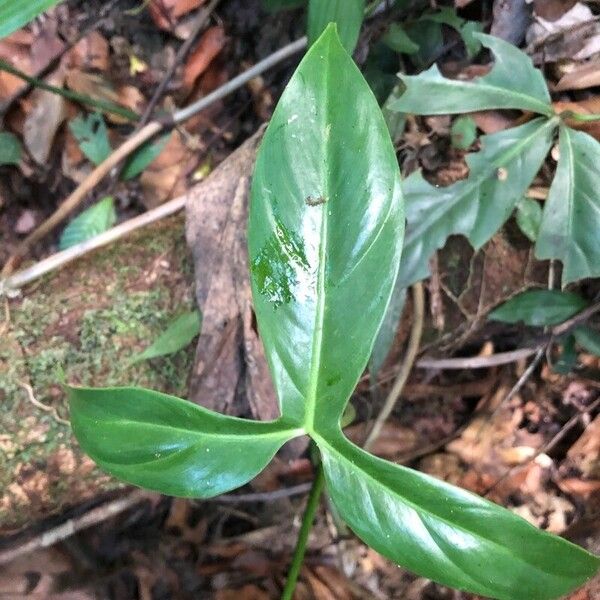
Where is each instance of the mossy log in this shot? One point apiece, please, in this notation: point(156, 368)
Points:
point(82, 325)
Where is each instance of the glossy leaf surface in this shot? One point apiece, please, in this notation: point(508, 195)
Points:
point(325, 233)
point(477, 206)
point(513, 82)
point(170, 445)
point(571, 222)
point(348, 15)
point(539, 308)
point(447, 534)
point(175, 337)
point(16, 13)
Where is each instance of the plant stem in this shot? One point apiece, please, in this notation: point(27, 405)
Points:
point(307, 521)
point(582, 118)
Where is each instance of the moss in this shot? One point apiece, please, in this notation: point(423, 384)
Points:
point(85, 322)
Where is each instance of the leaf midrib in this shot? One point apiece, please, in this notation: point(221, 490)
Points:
point(470, 185)
point(323, 441)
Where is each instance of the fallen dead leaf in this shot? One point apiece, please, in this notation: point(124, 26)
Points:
point(580, 78)
point(492, 121)
point(210, 44)
point(91, 52)
point(586, 107)
point(584, 454)
point(551, 10)
point(166, 12)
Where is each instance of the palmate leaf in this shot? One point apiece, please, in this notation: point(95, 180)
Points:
point(513, 82)
point(325, 232)
point(477, 206)
point(325, 235)
point(570, 228)
point(170, 445)
point(16, 13)
point(447, 534)
point(347, 14)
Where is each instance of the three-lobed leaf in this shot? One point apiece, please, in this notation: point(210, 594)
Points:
point(571, 219)
point(325, 233)
point(347, 14)
point(170, 445)
point(447, 534)
point(477, 206)
point(539, 308)
point(513, 82)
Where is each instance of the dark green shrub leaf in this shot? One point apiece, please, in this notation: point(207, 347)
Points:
point(447, 534)
point(448, 16)
point(143, 157)
point(513, 82)
point(539, 308)
point(16, 13)
point(170, 445)
point(398, 40)
point(275, 5)
point(571, 222)
point(96, 219)
point(529, 218)
point(10, 149)
point(568, 357)
point(176, 336)
point(325, 233)
point(347, 14)
point(476, 207)
point(588, 339)
point(463, 132)
point(92, 137)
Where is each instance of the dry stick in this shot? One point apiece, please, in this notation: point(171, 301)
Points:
point(478, 362)
point(68, 528)
point(411, 353)
point(134, 142)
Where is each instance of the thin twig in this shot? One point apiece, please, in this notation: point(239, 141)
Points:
point(579, 318)
point(296, 490)
point(409, 359)
point(49, 409)
point(67, 256)
point(64, 530)
point(478, 362)
point(134, 142)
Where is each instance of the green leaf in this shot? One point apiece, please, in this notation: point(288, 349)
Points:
point(398, 40)
point(447, 534)
point(325, 233)
point(96, 219)
point(571, 220)
point(347, 14)
point(275, 5)
point(568, 357)
point(477, 206)
point(10, 149)
point(170, 445)
point(539, 308)
point(92, 137)
point(396, 121)
point(588, 338)
point(529, 218)
point(143, 157)
point(176, 336)
point(463, 132)
point(513, 82)
point(16, 13)
point(467, 29)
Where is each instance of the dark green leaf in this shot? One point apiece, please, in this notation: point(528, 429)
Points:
point(513, 82)
point(96, 219)
point(16, 13)
point(499, 176)
point(539, 308)
point(176, 336)
point(529, 218)
point(398, 40)
point(448, 16)
point(396, 121)
point(10, 149)
point(463, 132)
point(444, 533)
point(143, 157)
point(571, 222)
point(170, 445)
point(325, 233)
point(588, 338)
point(380, 70)
point(468, 33)
point(347, 14)
point(429, 38)
point(92, 137)
point(275, 5)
